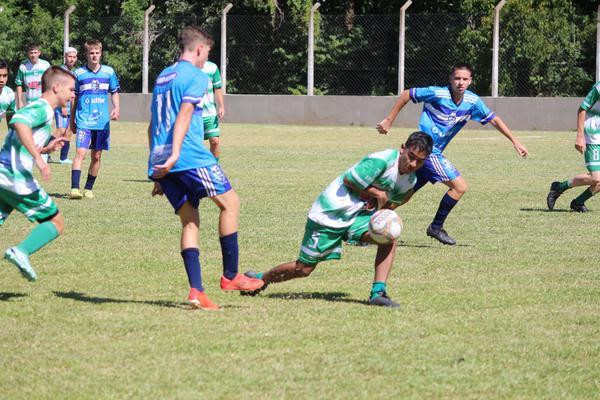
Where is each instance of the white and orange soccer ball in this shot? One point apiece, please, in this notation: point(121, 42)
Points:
point(385, 226)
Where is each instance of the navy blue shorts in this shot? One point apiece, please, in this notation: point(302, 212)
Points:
point(194, 184)
point(93, 139)
point(436, 168)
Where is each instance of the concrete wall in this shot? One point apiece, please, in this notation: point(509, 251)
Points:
point(520, 113)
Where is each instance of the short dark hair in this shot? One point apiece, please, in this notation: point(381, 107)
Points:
point(420, 140)
point(190, 34)
point(462, 65)
point(3, 64)
point(32, 46)
point(51, 74)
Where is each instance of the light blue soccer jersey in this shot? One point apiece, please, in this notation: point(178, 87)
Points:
point(179, 83)
point(92, 90)
point(442, 118)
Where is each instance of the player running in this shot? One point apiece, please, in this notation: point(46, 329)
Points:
point(28, 137)
point(342, 212)
point(92, 118)
point(446, 110)
point(587, 142)
point(185, 171)
point(210, 114)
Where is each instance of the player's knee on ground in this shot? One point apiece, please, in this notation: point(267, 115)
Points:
point(304, 270)
point(59, 222)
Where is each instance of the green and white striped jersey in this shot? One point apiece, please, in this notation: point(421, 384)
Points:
point(591, 105)
point(337, 206)
point(7, 101)
point(16, 163)
point(209, 108)
point(30, 76)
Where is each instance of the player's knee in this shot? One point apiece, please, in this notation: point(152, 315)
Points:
point(59, 223)
point(214, 141)
point(304, 270)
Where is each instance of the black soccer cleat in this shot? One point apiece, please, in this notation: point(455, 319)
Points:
point(383, 300)
point(440, 235)
point(253, 274)
point(553, 194)
point(579, 207)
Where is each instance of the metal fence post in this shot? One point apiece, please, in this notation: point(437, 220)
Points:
point(146, 49)
point(224, 47)
point(496, 48)
point(598, 46)
point(66, 28)
point(401, 41)
point(310, 79)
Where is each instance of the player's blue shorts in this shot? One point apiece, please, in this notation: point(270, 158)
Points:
point(93, 139)
point(436, 168)
point(194, 184)
point(61, 122)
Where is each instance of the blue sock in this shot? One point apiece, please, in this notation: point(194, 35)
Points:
point(89, 184)
point(230, 252)
point(191, 260)
point(75, 177)
point(64, 152)
point(446, 205)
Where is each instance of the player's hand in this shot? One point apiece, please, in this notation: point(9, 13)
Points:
point(114, 114)
point(384, 126)
point(522, 150)
point(163, 169)
point(43, 167)
point(221, 112)
point(56, 144)
point(157, 190)
point(382, 199)
point(580, 144)
point(64, 112)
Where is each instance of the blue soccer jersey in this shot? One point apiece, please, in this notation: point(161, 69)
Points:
point(92, 90)
point(442, 118)
point(179, 83)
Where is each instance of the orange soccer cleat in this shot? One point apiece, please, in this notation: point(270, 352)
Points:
point(241, 282)
point(200, 300)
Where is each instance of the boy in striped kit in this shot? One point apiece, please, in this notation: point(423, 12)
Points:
point(7, 96)
point(30, 75)
point(212, 99)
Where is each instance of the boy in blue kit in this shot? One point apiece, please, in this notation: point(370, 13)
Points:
point(185, 171)
point(91, 118)
point(446, 110)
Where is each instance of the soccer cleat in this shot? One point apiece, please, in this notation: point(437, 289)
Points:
point(21, 261)
point(88, 194)
point(241, 282)
point(381, 299)
point(578, 207)
point(66, 161)
point(440, 235)
point(553, 194)
point(198, 299)
point(253, 275)
point(75, 194)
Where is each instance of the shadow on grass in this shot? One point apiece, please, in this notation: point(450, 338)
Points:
point(327, 296)
point(7, 296)
point(102, 300)
point(544, 210)
point(137, 180)
point(59, 195)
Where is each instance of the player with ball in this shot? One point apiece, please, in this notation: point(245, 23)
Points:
point(346, 211)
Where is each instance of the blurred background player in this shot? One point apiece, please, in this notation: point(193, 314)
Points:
point(342, 212)
point(29, 75)
point(7, 96)
point(185, 171)
point(91, 121)
point(210, 114)
point(62, 114)
point(587, 142)
point(29, 135)
point(446, 110)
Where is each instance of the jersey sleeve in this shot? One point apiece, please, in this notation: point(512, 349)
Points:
point(420, 95)
point(77, 85)
point(20, 78)
point(195, 89)
point(113, 85)
point(217, 83)
point(481, 112)
point(363, 174)
point(30, 116)
point(591, 98)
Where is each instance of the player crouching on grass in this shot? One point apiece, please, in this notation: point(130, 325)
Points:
point(185, 171)
point(342, 212)
point(30, 135)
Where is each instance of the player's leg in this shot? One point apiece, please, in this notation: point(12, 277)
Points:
point(82, 143)
point(592, 163)
point(215, 146)
point(94, 169)
point(557, 187)
point(212, 133)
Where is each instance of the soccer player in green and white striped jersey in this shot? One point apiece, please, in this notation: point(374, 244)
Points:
point(7, 96)
point(587, 142)
point(213, 107)
point(30, 76)
point(30, 135)
point(342, 212)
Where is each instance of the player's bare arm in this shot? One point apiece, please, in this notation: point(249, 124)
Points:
point(220, 102)
point(580, 138)
point(497, 123)
point(385, 125)
point(182, 124)
point(116, 111)
point(18, 98)
point(371, 192)
point(72, 124)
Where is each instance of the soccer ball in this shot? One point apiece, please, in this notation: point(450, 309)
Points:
point(385, 226)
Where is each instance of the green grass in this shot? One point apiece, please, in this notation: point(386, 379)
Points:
point(513, 311)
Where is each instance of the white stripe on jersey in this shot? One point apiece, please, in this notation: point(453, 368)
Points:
point(358, 178)
point(192, 99)
point(88, 86)
point(444, 94)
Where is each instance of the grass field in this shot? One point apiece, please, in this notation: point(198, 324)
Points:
point(513, 311)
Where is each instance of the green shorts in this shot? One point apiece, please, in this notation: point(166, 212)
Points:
point(211, 127)
point(321, 243)
point(592, 157)
point(37, 206)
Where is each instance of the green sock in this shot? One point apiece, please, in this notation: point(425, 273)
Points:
point(377, 289)
point(583, 197)
point(259, 275)
point(564, 186)
point(40, 236)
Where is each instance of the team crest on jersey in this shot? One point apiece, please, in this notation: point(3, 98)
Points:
point(95, 85)
point(217, 173)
